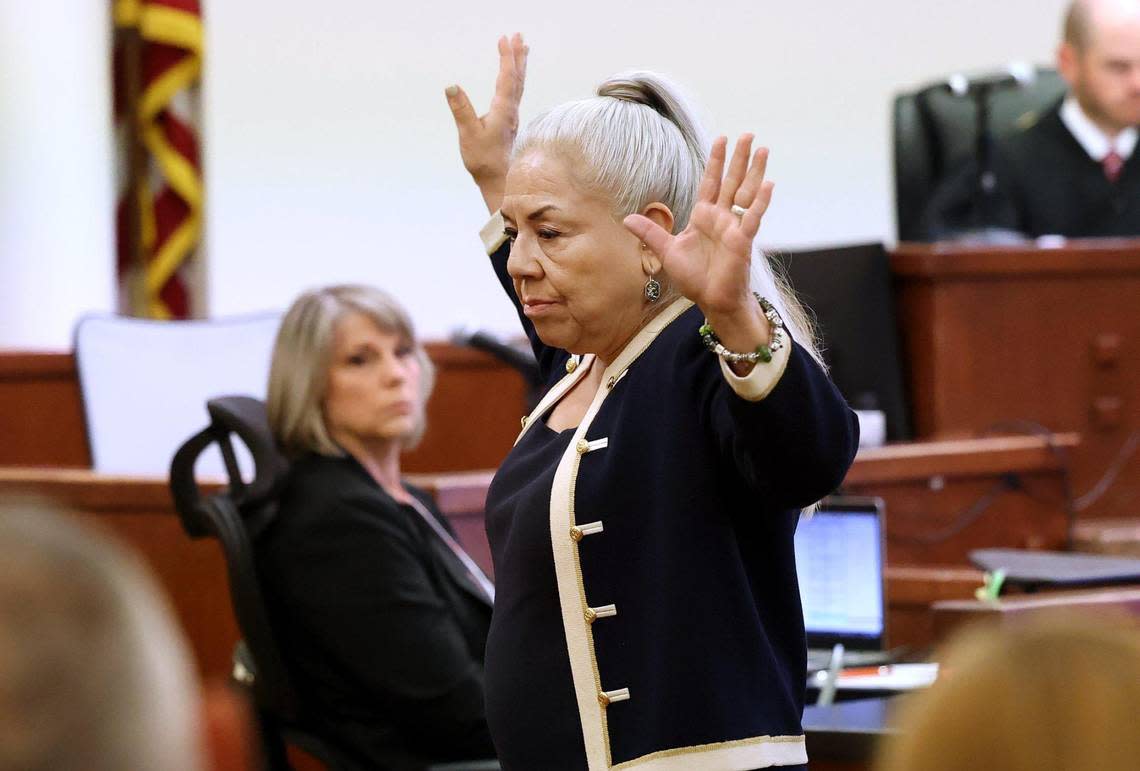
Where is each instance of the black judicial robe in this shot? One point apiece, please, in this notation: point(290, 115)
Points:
point(1047, 185)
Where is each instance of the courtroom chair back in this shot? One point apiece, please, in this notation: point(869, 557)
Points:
point(143, 383)
point(236, 516)
point(934, 137)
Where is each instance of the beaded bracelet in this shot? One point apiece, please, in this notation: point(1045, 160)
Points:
point(763, 352)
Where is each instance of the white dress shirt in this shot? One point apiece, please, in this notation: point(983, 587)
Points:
point(1090, 136)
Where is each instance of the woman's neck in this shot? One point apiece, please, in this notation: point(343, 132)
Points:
point(648, 314)
point(381, 459)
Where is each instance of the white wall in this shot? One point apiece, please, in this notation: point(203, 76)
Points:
point(330, 154)
point(56, 201)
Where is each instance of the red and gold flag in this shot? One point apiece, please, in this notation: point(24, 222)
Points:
point(158, 66)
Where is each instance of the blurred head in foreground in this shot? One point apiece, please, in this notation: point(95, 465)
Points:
point(94, 673)
point(1055, 693)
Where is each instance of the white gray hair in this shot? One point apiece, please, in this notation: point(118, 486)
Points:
point(298, 375)
point(639, 142)
point(94, 674)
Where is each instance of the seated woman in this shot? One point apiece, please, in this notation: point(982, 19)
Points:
point(381, 616)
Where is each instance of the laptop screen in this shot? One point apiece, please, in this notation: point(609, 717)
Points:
point(839, 559)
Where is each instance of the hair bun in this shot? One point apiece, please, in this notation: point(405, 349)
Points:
point(636, 87)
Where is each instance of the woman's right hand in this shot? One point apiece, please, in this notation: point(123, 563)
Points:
point(485, 142)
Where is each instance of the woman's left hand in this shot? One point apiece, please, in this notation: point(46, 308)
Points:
point(710, 260)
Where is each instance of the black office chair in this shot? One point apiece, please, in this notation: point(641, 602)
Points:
point(935, 137)
point(236, 516)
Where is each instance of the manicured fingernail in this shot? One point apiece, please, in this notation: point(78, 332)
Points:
point(451, 90)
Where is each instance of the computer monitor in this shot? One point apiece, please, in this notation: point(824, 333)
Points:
point(849, 292)
point(839, 559)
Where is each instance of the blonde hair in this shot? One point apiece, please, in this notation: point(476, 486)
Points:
point(298, 375)
point(638, 142)
point(1056, 693)
point(94, 673)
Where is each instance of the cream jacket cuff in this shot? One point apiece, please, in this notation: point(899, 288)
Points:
point(758, 383)
point(492, 233)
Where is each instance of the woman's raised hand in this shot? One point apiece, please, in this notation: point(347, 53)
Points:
point(485, 142)
point(710, 260)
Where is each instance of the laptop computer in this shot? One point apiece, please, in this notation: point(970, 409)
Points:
point(839, 559)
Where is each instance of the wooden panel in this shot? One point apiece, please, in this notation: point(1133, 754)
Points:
point(947, 498)
point(907, 461)
point(1079, 257)
point(473, 417)
point(911, 590)
point(41, 417)
point(997, 337)
point(139, 512)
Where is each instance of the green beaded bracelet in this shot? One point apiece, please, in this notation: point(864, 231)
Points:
point(763, 352)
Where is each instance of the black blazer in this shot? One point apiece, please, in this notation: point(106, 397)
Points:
point(672, 518)
point(379, 622)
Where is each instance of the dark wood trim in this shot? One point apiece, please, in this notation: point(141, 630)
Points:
point(36, 365)
point(947, 260)
point(958, 458)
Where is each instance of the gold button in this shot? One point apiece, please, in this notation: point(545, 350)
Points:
point(591, 615)
point(576, 533)
point(604, 699)
point(571, 364)
point(583, 446)
point(610, 382)
point(524, 421)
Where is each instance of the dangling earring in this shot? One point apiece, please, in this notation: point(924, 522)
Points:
point(652, 290)
point(652, 286)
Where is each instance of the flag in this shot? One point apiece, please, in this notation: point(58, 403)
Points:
point(158, 66)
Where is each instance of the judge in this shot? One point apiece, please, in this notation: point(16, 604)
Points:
point(1074, 171)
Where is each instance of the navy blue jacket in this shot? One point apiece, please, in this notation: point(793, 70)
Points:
point(672, 517)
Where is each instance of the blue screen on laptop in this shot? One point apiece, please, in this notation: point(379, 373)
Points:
point(839, 561)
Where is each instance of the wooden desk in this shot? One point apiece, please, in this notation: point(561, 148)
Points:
point(1052, 336)
point(140, 512)
point(949, 497)
point(844, 736)
point(949, 615)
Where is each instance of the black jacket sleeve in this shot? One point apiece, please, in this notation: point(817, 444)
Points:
point(796, 444)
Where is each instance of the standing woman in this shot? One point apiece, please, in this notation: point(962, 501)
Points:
point(380, 614)
point(648, 614)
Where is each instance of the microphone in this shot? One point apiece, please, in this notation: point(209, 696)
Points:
point(518, 359)
point(1015, 75)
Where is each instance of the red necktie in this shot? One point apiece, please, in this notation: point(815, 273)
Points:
point(1113, 164)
